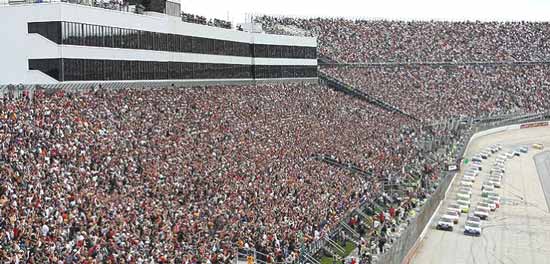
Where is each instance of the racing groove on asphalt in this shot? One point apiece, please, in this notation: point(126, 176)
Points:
point(542, 161)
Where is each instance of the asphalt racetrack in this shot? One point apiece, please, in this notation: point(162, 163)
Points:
point(542, 161)
point(518, 231)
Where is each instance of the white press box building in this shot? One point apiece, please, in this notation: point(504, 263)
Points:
point(58, 44)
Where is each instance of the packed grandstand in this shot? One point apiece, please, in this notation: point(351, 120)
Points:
point(204, 174)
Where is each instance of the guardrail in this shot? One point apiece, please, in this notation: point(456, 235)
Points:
point(350, 90)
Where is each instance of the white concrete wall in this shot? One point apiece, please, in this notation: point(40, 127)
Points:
point(271, 39)
point(76, 52)
point(18, 46)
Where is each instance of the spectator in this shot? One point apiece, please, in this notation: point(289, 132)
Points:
point(381, 243)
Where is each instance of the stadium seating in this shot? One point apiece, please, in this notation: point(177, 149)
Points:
point(439, 92)
point(182, 175)
point(381, 41)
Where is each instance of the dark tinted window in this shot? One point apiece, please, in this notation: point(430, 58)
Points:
point(95, 70)
point(49, 30)
point(71, 33)
point(51, 67)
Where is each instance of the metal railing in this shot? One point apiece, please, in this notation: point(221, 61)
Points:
point(350, 90)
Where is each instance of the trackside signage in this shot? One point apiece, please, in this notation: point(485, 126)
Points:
point(531, 125)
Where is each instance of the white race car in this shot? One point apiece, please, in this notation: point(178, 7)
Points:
point(445, 223)
point(495, 182)
point(487, 206)
point(492, 204)
point(487, 187)
point(495, 199)
point(495, 148)
point(453, 216)
point(492, 148)
point(486, 194)
point(497, 169)
point(454, 208)
point(482, 213)
point(463, 195)
point(473, 218)
point(467, 190)
point(477, 158)
point(477, 167)
point(472, 229)
point(469, 178)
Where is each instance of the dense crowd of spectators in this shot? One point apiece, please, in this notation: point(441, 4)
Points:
point(439, 92)
point(347, 40)
point(186, 175)
point(197, 19)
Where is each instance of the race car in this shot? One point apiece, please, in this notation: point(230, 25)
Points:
point(472, 229)
point(454, 208)
point(482, 213)
point(469, 178)
point(463, 195)
point(477, 167)
point(538, 146)
point(464, 205)
point(453, 216)
point(492, 203)
point(487, 204)
point(495, 181)
point(466, 183)
point(523, 149)
point(474, 219)
point(445, 223)
point(477, 158)
point(495, 199)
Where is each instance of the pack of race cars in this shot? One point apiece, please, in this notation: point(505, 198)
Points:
point(489, 199)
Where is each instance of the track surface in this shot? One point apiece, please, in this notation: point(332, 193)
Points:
point(519, 231)
point(542, 161)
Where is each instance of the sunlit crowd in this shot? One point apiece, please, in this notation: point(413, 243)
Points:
point(383, 41)
point(186, 175)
